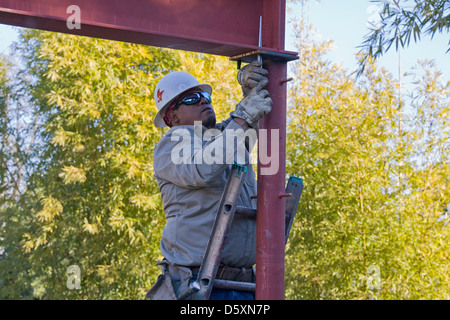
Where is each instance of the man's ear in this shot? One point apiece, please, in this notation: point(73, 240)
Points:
point(173, 116)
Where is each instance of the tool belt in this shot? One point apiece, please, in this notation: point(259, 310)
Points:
point(230, 273)
point(163, 288)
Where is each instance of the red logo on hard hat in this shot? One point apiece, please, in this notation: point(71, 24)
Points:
point(159, 94)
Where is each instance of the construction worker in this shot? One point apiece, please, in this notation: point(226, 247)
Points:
point(191, 189)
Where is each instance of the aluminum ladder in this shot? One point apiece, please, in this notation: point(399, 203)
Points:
point(201, 288)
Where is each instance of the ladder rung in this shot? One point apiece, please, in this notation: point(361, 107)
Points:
point(250, 212)
point(234, 285)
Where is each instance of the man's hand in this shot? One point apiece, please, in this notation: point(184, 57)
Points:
point(250, 75)
point(255, 105)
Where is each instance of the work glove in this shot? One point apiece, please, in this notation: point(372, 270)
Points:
point(250, 75)
point(255, 105)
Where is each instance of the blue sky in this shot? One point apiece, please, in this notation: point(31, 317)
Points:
point(7, 36)
point(344, 22)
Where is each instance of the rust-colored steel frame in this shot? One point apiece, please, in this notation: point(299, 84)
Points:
point(222, 27)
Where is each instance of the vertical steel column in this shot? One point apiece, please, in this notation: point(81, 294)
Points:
point(270, 240)
point(271, 207)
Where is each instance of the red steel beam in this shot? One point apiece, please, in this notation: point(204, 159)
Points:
point(270, 241)
point(270, 217)
point(221, 27)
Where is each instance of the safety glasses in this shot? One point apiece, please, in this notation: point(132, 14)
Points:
point(194, 98)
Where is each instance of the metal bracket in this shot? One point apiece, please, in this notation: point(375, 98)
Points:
point(265, 55)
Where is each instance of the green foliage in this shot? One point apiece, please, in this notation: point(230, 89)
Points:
point(3, 123)
point(367, 204)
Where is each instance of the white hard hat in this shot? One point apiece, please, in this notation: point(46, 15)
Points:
point(169, 87)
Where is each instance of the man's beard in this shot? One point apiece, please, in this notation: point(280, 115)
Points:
point(210, 122)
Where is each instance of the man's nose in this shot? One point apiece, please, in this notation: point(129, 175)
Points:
point(203, 100)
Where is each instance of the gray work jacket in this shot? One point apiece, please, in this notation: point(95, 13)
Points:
point(191, 191)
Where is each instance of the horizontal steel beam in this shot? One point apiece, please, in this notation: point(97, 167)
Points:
point(220, 27)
